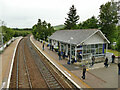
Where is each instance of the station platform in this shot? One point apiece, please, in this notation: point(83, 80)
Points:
point(5, 63)
point(96, 77)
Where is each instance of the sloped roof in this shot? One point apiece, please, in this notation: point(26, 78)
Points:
point(77, 35)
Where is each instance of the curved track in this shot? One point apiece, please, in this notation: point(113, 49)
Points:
point(46, 73)
point(32, 70)
point(20, 71)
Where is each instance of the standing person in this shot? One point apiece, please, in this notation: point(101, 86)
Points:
point(59, 54)
point(84, 71)
point(119, 68)
point(113, 58)
point(106, 62)
point(68, 58)
point(93, 60)
point(43, 46)
point(69, 55)
point(63, 55)
point(79, 57)
point(52, 47)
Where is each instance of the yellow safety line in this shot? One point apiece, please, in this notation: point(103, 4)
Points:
point(66, 69)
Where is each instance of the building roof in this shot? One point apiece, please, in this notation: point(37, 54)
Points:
point(78, 36)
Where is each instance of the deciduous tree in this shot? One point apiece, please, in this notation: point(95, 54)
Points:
point(42, 30)
point(91, 23)
point(108, 19)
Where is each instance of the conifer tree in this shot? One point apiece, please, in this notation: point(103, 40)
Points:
point(72, 19)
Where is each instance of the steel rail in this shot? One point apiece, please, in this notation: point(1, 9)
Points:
point(17, 82)
point(48, 76)
point(28, 75)
point(26, 68)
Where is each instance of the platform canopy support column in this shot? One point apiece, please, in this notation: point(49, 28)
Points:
point(75, 53)
point(106, 47)
point(60, 45)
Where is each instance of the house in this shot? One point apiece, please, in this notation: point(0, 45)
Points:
point(87, 42)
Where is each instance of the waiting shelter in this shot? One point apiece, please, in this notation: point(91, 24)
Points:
point(87, 42)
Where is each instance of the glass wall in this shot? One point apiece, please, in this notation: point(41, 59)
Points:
point(87, 51)
point(92, 50)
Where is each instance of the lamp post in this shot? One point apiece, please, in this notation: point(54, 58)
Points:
point(71, 38)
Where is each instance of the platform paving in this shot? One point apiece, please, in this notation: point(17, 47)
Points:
point(5, 63)
point(96, 77)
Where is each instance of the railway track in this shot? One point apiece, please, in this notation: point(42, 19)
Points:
point(21, 77)
point(28, 75)
point(49, 77)
point(32, 70)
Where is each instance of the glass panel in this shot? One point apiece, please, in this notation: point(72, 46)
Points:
point(87, 56)
point(96, 45)
point(88, 46)
point(84, 51)
point(93, 51)
point(100, 50)
point(97, 51)
point(92, 46)
point(100, 45)
point(84, 47)
point(88, 51)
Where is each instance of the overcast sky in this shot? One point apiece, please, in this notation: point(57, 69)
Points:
point(25, 13)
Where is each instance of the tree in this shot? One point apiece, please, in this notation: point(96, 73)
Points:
point(108, 19)
point(42, 30)
point(118, 39)
point(7, 33)
point(91, 23)
point(72, 19)
point(118, 44)
point(118, 31)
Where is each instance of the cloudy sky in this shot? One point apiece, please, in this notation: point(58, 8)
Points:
point(25, 13)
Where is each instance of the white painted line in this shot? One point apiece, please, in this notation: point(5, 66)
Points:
point(68, 73)
point(9, 77)
point(3, 85)
point(76, 67)
point(57, 67)
point(92, 68)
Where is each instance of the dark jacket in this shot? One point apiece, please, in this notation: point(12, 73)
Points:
point(79, 56)
point(68, 54)
point(106, 60)
point(84, 70)
point(93, 59)
point(113, 56)
point(43, 46)
point(59, 53)
point(63, 53)
point(119, 65)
